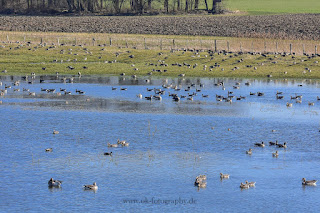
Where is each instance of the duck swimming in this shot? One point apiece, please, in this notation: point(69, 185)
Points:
point(309, 182)
point(54, 183)
point(260, 144)
point(94, 186)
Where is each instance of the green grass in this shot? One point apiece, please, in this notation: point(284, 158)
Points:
point(264, 7)
point(27, 59)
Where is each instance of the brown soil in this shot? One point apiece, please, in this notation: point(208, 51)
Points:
point(297, 26)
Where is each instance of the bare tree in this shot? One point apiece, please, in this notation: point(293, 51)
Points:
point(117, 5)
point(187, 6)
point(206, 3)
point(196, 4)
point(166, 5)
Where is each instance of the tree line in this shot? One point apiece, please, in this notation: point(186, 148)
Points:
point(116, 7)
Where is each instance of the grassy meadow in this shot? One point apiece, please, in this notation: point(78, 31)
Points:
point(265, 7)
point(25, 54)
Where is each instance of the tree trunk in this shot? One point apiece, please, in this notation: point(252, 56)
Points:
point(166, 5)
point(116, 6)
point(50, 3)
point(205, 1)
point(187, 5)
point(178, 5)
point(149, 5)
point(90, 6)
point(214, 7)
point(196, 4)
point(3, 3)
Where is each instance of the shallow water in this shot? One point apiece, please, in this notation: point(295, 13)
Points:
point(170, 144)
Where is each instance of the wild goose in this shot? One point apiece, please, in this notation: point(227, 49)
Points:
point(112, 145)
point(260, 144)
point(273, 143)
point(122, 143)
point(55, 132)
point(279, 93)
point(200, 181)
point(149, 98)
point(275, 154)
point(201, 177)
point(108, 153)
point(249, 152)
point(284, 145)
point(244, 186)
point(158, 97)
point(176, 98)
point(224, 176)
point(139, 95)
point(251, 184)
point(200, 184)
point(279, 97)
point(54, 183)
point(49, 150)
point(91, 187)
point(309, 182)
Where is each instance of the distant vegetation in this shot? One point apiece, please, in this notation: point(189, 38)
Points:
point(154, 7)
point(262, 7)
point(109, 7)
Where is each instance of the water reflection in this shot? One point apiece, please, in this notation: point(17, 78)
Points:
point(54, 188)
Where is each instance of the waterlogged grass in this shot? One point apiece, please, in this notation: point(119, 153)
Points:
point(264, 7)
point(18, 59)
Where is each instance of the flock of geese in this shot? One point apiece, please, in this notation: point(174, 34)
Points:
point(192, 91)
point(200, 181)
point(57, 183)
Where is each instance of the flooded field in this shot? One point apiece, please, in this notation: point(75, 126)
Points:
point(201, 131)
